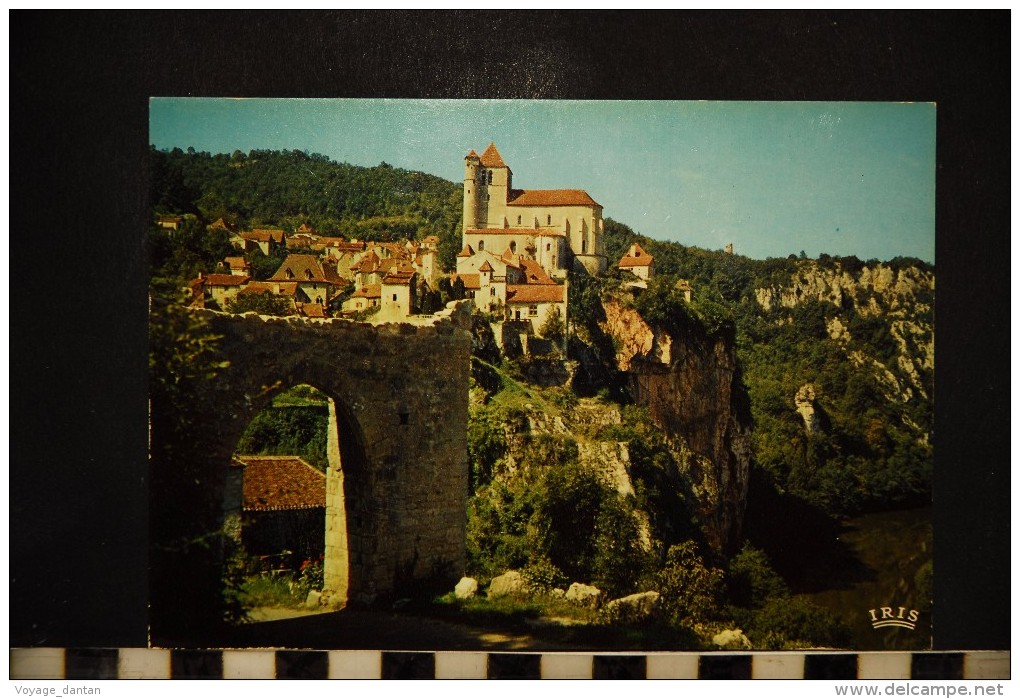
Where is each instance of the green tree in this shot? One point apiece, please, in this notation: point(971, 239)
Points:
point(553, 327)
point(691, 592)
point(752, 580)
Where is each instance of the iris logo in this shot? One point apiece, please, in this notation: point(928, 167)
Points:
point(890, 616)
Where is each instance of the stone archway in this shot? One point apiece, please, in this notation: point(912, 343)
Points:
point(398, 474)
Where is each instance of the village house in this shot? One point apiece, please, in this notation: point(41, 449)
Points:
point(237, 266)
point(398, 297)
point(172, 223)
point(285, 290)
point(216, 290)
point(561, 229)
point(282, 503)
point(265, 239)
point(637, 262)
point(316, 282)
point(364, 298)
point(220, 224)
point(684, 287)
point(537, 303)
point(344, 256)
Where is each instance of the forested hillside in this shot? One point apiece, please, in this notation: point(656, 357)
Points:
point(264, 189)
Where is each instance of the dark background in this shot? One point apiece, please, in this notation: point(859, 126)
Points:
point(80, 84)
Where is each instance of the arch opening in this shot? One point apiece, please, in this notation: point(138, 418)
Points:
point(292, 507)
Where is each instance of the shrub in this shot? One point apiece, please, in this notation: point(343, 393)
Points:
point(690, 591)
point(790, 622)
point(752, 581)
point(542, 575)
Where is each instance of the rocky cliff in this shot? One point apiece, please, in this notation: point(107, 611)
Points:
point(692, 389)
point(898, 302)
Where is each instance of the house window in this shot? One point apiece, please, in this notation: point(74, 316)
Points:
point(513, 246)
point(492, 291)
point(518, 220)
point(308, 274)
point(290, 274)
point(394, 297)
point(533, 310)
point(481, 246)
point(584, 246)
point(548, 220)
point(548, 247)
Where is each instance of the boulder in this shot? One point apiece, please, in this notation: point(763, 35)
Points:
point(557, 593)
point(731, 639)
point(509, 583)
point(584, 595)
point(466, 588)
point(313, 600)
point(632, 608)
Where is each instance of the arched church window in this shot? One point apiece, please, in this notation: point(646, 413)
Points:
point(481, 246)
point(513, 246)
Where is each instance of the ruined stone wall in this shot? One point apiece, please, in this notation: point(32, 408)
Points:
point(399, 397)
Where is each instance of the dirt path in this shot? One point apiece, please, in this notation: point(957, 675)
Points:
point(377, 630)
point(350, 630)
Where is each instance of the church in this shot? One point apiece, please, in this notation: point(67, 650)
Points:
point(561, 229)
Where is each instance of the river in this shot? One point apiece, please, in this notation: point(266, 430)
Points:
point(892, 547)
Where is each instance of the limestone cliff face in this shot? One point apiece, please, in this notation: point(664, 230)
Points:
point(692, 389)
point(878, 289)
point(902, 297)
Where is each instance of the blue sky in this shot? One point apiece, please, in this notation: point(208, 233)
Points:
point(773, 178)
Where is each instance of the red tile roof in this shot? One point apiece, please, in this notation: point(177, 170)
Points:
point(367, 264)
point(305, 268)
point(635, 257)
point(471, 154)
point(550, 197)
point(312, 310)
point(486, 267)
point(467, 251)
point(348, 247)
point(281, 483)
point(264, 235)
point(220, 223)
point(225, 279)
point(535, 273)
point(236, 262)
point(471, 281)
point(372, 291)
point(534, 293)
point(491, 157)
point(286, 288)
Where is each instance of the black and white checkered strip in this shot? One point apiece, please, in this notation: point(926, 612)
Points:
point(142, 663)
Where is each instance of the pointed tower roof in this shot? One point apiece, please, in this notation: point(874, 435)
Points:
point(466, 252)
point(471, 154)
point(492, 158)
point(486, 267)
